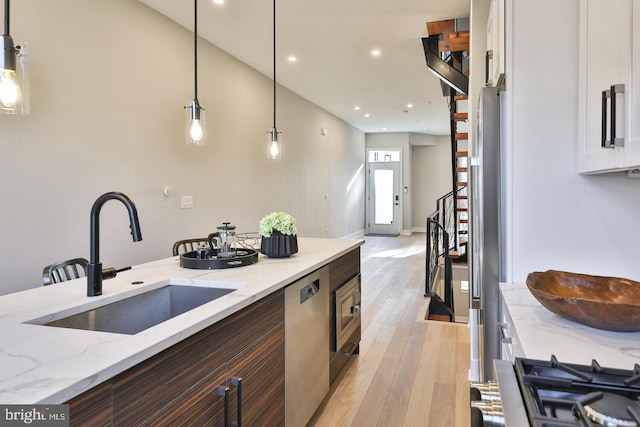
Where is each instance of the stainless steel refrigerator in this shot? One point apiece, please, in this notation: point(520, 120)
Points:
point(485, 192)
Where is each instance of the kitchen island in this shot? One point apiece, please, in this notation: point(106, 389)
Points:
point(42, 364)
point(537, 333)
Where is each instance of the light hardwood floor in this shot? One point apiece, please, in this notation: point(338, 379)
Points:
point(410, 372)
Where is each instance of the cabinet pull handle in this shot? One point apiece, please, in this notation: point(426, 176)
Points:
point(502, 327)
point(224, 391)
point(604, 119)
point(487, 67)
point(615, 89)
point(237, 382)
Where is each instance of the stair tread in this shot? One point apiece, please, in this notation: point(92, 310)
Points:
point(461, 183)
point(461, 197)
point(461, 169)
point(459, 117)
point(460, 97)
point(462, 153)
point(459, 41)
point(445, 28)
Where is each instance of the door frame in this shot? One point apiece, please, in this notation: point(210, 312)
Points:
point(368, 213)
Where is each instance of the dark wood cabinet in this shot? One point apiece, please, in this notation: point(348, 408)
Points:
point(341, 271)
point(180, 386)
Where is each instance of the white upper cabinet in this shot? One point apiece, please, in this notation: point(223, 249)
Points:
point(609, 65)
point(496, 43)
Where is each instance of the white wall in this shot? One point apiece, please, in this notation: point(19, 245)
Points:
point(109, 79)
point(431, 178)
point(559, 219)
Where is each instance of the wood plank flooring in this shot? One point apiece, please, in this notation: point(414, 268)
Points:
point(410, 372)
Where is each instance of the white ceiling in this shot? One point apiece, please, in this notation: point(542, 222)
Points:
point(332, 41)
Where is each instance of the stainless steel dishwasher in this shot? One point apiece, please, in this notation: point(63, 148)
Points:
point(306, 325)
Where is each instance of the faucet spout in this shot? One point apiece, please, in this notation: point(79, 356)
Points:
point(94, 268)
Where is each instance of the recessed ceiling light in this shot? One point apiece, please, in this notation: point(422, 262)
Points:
point(218, 1)
point(384, 128)
point(292, 58)
point(409, 105)
point(367, 115)
point(357, 108)
point(375, 52)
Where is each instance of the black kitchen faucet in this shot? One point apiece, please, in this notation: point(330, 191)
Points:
point(94, 268)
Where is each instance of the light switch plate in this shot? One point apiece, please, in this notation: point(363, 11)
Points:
point(186, 202)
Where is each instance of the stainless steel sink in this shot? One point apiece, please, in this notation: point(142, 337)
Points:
point(137, 313)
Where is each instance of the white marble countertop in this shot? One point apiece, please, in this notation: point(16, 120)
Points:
point(542, 333)
point(42, 364)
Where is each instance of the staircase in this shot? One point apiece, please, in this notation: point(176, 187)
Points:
point(447, 55)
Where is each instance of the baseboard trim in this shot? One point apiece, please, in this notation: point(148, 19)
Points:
point(354, 235)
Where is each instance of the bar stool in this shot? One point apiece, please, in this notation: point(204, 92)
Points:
point(64, 270)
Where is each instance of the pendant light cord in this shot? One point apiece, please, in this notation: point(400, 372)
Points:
point(274, 64)
point(6, 17)
point(195, 47)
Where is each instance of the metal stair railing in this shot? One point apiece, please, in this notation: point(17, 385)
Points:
point(437, 248)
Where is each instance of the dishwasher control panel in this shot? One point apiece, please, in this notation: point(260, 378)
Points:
point(306, 292)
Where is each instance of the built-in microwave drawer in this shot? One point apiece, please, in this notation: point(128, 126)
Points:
point(347, 311)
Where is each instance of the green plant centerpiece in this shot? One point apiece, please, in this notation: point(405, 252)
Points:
point(279, 235)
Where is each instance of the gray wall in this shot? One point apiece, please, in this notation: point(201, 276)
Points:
point(109, 79)
point(431, 179)
point(558, 219)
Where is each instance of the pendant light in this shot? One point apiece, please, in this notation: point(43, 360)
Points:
point(274, 147)
point(14, 84)
point(196, 131)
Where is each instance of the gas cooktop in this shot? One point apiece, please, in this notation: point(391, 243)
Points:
point(561, 394)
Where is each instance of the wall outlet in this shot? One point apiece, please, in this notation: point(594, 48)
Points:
point(186, 202)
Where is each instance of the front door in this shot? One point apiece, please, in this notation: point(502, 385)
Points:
point(384, 198)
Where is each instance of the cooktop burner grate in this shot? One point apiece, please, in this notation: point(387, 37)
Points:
point(561, 394)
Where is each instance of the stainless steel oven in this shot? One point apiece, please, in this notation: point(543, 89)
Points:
point(347, 311)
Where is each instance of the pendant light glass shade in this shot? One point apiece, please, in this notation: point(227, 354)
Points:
point(196, 124)
point(274, 141)
point(274, 144)
point(196, 128)
point(14, 82)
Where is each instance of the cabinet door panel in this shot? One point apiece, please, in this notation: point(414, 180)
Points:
point(605, 54)
point(145, 389)
point(632, 153)
point(92, 408)
point(261, 368)
point(200, 405)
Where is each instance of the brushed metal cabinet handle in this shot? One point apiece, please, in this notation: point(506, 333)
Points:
point(502, 327)
point(237, 382)
point(224, 391)
point(603, 140)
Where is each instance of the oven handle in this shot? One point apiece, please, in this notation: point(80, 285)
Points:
point(504, 337)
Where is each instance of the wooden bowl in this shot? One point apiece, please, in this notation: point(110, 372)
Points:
point(609, 303)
